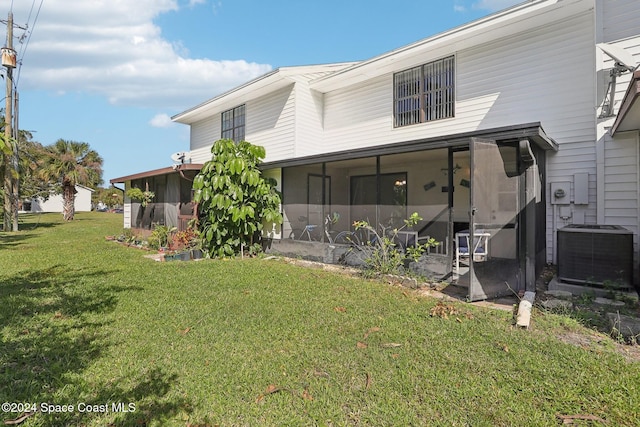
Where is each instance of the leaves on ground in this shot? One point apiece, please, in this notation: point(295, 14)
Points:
point(370, 331)
point(340, 309)
point(306, 395)
point(503, 347)
point(391, 345)
point(321, 374)
point(361, 344)
point(443, 310)
point(272, 389)
point(572, 419)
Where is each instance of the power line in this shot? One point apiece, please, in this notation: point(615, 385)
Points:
point(24, 51)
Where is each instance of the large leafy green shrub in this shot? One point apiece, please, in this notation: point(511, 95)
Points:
point(234, 200)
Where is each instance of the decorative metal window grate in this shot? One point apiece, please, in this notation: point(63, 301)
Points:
point(233, 123)
point(424, 93)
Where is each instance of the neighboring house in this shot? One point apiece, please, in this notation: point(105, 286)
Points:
point(54, 202)
point(505, 127)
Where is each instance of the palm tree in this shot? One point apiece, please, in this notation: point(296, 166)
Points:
point(70, 163)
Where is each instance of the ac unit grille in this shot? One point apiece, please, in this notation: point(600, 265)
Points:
point(593, 255)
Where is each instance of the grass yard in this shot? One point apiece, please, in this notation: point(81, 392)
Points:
point(261, 342)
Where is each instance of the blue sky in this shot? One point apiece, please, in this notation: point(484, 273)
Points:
point(112, 72)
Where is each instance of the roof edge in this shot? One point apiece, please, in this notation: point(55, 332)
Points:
point(157, 172)
point(514, 132)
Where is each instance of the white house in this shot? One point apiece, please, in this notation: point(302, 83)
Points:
point(510, 127)
point(54, 202)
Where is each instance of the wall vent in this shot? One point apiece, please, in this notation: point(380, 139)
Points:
point(591, 255)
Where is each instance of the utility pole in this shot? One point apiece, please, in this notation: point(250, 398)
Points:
point(10, 159)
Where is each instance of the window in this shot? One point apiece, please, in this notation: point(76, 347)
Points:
point(233, 124)
point(424, 93)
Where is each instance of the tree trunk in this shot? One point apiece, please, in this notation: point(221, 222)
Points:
point(68, 201)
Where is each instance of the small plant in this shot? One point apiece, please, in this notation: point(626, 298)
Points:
point(144, 197)
point(381, 252)
point(126, 235)
point(159, 237)
point(185, 240)
point(586, 298)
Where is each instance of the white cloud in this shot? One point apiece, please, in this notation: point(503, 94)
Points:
point(459, 8)
point(161, 121)
point(113, 49)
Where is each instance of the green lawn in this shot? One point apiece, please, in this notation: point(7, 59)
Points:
point(85, 321)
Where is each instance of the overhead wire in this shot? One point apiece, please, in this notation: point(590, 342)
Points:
point(23, 51)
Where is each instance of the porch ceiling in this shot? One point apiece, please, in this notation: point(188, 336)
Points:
point(531, 131)
point(629, 115)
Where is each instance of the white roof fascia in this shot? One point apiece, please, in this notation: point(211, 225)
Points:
point(85, 187)
point(262, 85)
point(512, 20)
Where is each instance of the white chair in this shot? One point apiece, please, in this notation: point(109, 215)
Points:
point(479, 248)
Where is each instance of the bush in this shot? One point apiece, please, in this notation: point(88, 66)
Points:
point(234, 200)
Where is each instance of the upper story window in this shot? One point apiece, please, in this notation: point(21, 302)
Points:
point(424, 93)
point(233, 124)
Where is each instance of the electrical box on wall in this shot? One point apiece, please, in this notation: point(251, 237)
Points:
point(560, 193)
point(581, 183)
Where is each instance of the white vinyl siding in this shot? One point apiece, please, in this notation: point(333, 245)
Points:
point(271, 123)
point(205, 132)
point(621, 180)
point(620, 19)
point(510, 81)
point(621, 183)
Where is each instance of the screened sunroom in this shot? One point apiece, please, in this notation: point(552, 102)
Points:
point(480, 196)
point(172, 204)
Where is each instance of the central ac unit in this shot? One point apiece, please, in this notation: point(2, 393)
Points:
point(591, 255)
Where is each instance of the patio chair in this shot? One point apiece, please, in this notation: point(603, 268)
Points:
point(479, 248)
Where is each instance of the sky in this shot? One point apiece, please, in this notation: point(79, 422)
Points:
point(112, 73)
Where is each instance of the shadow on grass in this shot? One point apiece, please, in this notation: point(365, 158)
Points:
point(8, 241)
point(28, 222)
point(54, 326)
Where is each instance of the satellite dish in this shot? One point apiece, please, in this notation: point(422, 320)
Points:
point(619, 55)
point(181, 157)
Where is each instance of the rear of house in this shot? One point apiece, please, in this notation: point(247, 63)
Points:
point(499, 129)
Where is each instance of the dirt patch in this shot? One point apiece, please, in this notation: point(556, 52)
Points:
point(600, 342)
